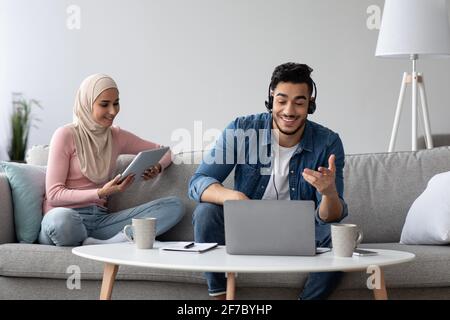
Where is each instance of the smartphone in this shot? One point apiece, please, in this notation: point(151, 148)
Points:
point(362, 253)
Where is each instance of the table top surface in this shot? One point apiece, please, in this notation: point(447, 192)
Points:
point(217, 260)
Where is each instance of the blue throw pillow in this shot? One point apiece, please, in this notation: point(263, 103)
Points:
point(27, 184)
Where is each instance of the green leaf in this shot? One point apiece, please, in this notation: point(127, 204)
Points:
point(21, 122)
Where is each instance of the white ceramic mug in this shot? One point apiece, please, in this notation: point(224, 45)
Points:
point(345, 238)
point(143, 232)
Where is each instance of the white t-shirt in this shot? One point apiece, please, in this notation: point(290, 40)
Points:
point(280, 174)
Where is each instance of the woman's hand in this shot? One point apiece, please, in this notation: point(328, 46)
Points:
point(115, 186)
point(152, 172)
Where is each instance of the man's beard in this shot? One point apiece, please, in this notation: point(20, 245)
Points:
point(301, 125)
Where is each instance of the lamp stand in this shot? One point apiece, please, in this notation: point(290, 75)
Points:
point(417, 81)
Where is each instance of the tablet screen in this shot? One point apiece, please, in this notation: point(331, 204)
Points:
point(143, 161)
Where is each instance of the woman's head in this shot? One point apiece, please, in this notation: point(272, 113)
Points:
point(96, 105)
point(97, 102)
point(106, 107)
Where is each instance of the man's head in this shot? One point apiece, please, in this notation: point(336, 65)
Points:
point(290, 97)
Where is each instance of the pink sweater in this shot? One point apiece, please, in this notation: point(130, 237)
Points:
point(65, 185)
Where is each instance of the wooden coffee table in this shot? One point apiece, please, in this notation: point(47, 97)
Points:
point(217, 260)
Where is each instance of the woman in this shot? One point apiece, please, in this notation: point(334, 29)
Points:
point(82, 157)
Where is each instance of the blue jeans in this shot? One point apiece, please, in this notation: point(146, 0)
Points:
point(209, 227)
point(70, 227)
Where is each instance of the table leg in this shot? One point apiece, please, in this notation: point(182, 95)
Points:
point(109, 276)
point(381, 293)
point(231, 285)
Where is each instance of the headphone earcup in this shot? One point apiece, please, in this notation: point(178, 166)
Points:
point(311, 107)
point(269, 104)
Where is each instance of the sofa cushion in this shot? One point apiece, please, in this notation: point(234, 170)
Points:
point(428, 220)
point(379, 212)
point(27, 183)
point(173, 181)
point(43, 261)
point(378, 193)
point(7, 234)
point(380, 188)
point(429, 269)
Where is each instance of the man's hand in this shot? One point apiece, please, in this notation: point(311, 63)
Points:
point(324, 180)
point(218, 194)
point(235, 195)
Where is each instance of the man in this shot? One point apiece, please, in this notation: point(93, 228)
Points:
point(305, 162)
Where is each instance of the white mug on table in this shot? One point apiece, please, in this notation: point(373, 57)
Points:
point(345, 237)
point(143, 232)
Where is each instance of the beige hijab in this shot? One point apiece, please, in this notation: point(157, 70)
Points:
point(92, 141)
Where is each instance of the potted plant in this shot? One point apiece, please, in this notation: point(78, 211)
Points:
point(21, 122)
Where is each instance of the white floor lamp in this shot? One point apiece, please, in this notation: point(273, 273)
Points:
point(411, 29)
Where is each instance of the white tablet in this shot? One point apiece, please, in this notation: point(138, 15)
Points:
point(143, 161)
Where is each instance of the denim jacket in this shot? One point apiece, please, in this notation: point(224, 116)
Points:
point(245, 146)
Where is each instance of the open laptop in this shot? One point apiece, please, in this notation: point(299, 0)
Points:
point(270, 227)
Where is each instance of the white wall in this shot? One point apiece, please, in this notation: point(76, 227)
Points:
point(3, 88)
point(178, 61)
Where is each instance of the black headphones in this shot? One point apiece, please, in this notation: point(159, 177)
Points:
point(312, 101)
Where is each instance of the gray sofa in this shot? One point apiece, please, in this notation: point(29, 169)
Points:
point(379, 189)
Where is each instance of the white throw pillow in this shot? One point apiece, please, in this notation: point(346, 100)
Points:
point(428, 219)
point(37, 155)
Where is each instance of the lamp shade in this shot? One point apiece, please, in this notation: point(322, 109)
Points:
point(414, 27)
